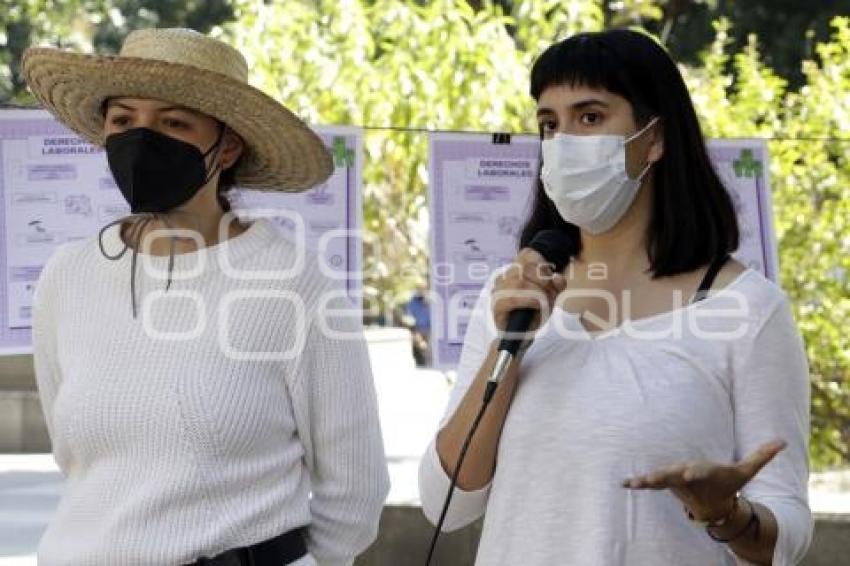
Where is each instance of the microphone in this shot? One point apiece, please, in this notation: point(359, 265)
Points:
point(557, 247)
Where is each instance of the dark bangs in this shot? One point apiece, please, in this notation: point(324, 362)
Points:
point(581, 60)
point(692, 218)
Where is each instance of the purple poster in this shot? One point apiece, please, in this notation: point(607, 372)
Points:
point(57, 188)
point(480, 189)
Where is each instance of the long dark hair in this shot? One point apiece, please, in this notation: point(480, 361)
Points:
point(692, 218)
point(227, 178)
point(226, 181)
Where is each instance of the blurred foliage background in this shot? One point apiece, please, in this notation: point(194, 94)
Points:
point(777, 69)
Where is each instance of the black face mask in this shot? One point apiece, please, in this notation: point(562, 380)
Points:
point(156, 172)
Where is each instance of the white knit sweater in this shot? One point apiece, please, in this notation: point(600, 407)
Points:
point(177, 437)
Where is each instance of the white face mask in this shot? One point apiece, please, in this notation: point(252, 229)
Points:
point(586, 178)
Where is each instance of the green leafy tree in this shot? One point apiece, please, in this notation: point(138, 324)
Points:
point(394, 64)
point(450, 65)
point(455, 64)
point(27, 22)
point(812, 175)
point(89, 25)
point(685, 26)
point(739, 95)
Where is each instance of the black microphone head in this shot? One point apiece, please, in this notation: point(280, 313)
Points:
point(557, 246)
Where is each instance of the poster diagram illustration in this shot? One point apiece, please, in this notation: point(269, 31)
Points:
point(58, 188)
point(480, 189)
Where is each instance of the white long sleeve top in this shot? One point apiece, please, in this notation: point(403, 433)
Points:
point(712, 380)
point(200, 426)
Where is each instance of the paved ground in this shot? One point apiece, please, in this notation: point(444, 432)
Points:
point(411, 403)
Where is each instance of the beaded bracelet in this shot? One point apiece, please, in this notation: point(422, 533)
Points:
point(716, 522)
point(754, 519)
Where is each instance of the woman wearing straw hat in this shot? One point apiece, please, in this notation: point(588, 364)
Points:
point(226, 415)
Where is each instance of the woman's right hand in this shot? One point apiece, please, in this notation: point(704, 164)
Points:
point(529, 282)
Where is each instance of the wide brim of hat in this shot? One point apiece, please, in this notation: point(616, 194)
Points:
point(281, 152)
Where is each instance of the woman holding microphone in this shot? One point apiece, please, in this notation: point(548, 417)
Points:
point(660, 414)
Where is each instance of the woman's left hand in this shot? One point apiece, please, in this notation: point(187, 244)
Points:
point(708, 489)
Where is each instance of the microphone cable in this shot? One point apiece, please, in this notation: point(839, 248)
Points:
point(556, 246)
point(484, 404)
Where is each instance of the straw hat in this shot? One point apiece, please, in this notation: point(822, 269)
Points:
point(183, 67)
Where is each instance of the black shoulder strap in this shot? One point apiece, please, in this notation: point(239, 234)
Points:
point(710, 275)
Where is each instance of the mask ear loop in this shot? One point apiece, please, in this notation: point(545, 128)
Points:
point(636, 135)
point(217, 148)
point(164, 217)
point(138, 222)
point(643, 130)
point(643, 173)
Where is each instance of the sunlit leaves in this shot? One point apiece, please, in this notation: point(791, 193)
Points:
point(810, 177)
point(443, 65)
point(391, 64)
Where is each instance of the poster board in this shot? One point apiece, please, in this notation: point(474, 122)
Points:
point(56, 188)
point(480, 187)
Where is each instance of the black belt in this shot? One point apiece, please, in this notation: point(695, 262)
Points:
point(277, 551)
